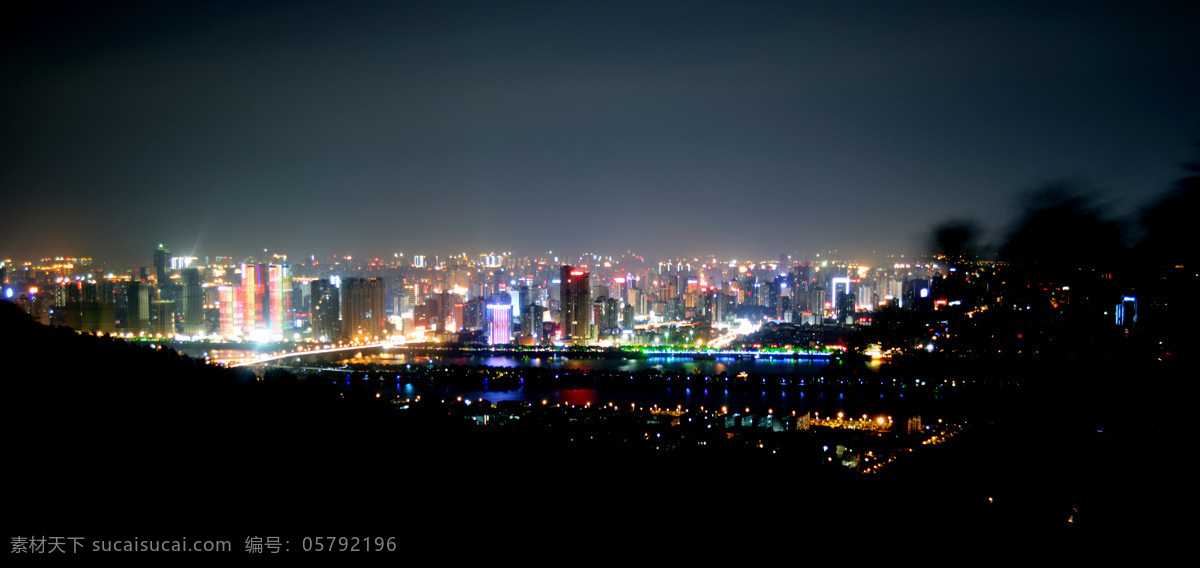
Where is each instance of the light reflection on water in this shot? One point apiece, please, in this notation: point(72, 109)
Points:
point(781, 400)
point(672, 397)
point(683, 365)
point(711, 396)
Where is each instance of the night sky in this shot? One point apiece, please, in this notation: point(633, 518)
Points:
point(737, 129)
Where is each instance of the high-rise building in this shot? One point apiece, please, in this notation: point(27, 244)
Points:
point(164, 320)
point(279, 295)
point(499, 323)
point(99, 306)
point(438, 312)
point(363, 311)
point(576, 304)
point(137, 308)
point(326, 311)
point(524, 297)
point(301, 302)
point(531, 322)
point(68, 304)
point(266, 294)
point(474, 316)
point(193, 302)
point(604, 313)
point(255, 305)
point(229, 303)
point(816, 304)
point(161, 256)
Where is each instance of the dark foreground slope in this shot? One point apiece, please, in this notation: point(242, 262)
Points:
point(115, 438)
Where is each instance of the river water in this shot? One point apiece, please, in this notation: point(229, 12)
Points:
point(819, 393)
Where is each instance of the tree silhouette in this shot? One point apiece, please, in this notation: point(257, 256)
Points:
point(1061, 231)
point(1168, 272)
point(955, 240)
point(1169, 238)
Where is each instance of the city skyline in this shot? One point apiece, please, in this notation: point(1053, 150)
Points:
point(355, 263)
point(914, 265)
point(665, 129)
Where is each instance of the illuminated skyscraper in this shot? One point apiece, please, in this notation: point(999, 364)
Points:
point(576, 304)
point(363, 311)
point(254, 302)
point(499, 324)
point(279, 296)
point(229, 302)
point(266, 294)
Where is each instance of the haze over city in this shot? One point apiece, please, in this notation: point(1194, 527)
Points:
point(668, 128)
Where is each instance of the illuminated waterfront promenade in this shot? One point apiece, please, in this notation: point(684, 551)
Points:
point(551, 352)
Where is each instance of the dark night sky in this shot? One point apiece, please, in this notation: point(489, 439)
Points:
point(659, 127)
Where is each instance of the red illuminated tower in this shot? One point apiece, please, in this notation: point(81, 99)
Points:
point(576, 294)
